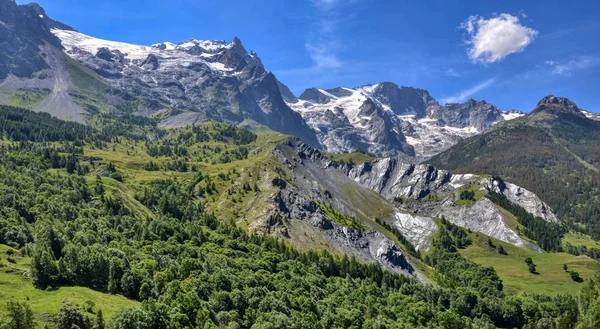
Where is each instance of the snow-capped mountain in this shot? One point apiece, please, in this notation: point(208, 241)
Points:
point(75, 76)
point(190, 81)
point(385, 119)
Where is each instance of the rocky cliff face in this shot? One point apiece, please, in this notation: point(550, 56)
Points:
point(22, 32)
point(474, 114)
point(191, 81)
point(430, 192)
point(399, 120)
point(179, 83)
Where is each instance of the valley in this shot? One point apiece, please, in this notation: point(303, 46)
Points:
point(183, 185)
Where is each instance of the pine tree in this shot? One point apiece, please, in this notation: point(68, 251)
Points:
point(99, 323)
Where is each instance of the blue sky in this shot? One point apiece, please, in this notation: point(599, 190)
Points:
point(509, 53)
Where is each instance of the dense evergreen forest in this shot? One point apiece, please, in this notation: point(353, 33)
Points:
point(190, 268)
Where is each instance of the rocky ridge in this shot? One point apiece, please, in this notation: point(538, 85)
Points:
point(373, 190)
point(190, 81)
point(385, 119)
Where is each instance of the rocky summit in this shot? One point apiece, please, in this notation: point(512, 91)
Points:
point(385, 119)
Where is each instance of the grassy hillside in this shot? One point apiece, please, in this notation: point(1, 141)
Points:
point(45, 304)
point(551, 278)
point(122, 214)
point(357, 158)
point(25, 98)
point(553, 155)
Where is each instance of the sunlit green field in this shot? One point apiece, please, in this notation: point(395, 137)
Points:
point(16, 286)
point(513, 271)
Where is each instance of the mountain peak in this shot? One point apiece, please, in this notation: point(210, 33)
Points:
point(238, 47)
point(37, 8)
point(315, 95)
point(49, 22)
point(554, 104)
point(561, 101)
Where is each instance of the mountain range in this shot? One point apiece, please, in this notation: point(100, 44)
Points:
point(190, 178)
point(72, 76)
point(553, 151)
point(384, 119)
point(78, 77)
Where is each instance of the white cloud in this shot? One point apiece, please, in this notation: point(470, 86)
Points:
point(493, 39)
point(574, 64)
point(463, 95)
point(323, 56)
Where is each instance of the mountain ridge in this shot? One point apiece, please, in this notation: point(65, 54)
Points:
point(552, 151)
point(410, 114)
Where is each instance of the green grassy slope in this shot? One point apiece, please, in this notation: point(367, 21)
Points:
point(513, 271)
point(16, 286)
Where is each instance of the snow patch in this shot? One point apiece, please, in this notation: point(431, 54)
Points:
point(511, 115)
point(171, 55)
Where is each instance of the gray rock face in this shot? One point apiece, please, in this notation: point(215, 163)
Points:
point(431, 192)
point(485, 217)
point(479, 115)
point(294, 207)
point(314, 95)
point(286, 93)
point(22, 32)
point(212, 79)
point(419, 230)
point(524, 198)
point(396, 177)
point(405, 100)
point(388, 120)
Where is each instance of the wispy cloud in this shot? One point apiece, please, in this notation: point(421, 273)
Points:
point(463, 95)
point(452, 73)
point(491, 40)
point(576, 63)
point(325, 4)
point(323, 57)
point(323, 45)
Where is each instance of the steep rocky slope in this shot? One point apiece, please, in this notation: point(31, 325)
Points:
point(553, 152)
point(406, 196)
point(314, 204)
point(428, 191)
point(180, 83)
point(385, 119)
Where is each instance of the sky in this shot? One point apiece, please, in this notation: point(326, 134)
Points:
point(508, 53)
